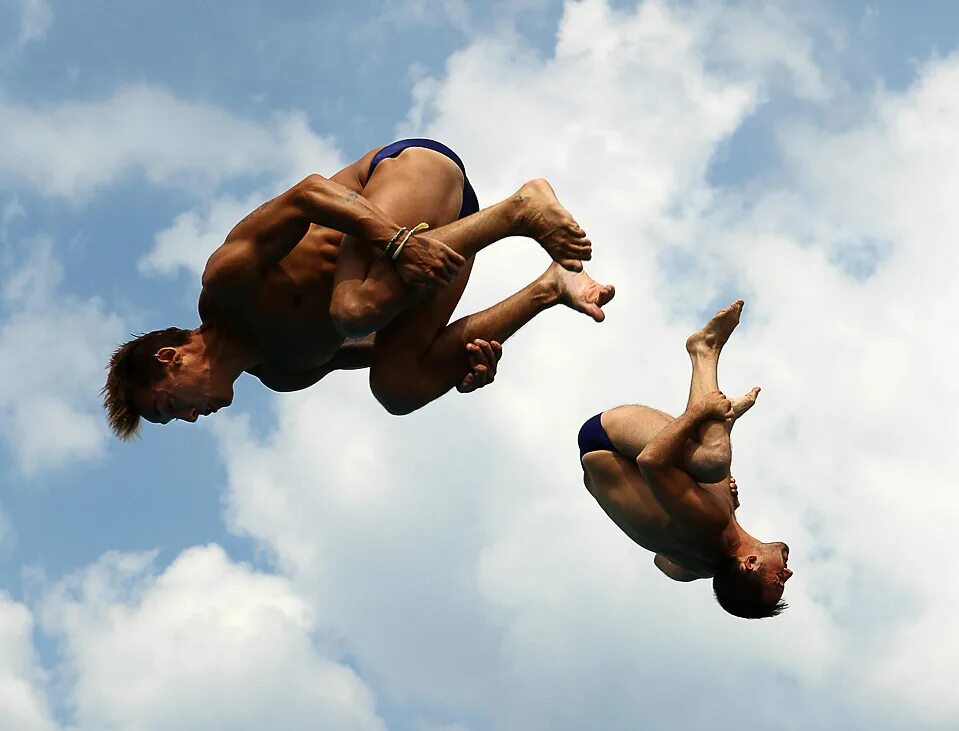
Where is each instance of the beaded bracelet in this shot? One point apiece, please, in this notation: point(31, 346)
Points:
point(389, 247)
point(416, 229)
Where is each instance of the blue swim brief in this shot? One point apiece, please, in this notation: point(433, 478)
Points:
point(593, 438)
point(470, 204)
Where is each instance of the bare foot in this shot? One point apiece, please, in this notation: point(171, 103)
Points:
point(716, 332)
point(543, 218)
point(744, 403)
point(579, 291)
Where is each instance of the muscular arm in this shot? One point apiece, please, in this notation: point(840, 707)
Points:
point(657, 460)
point(664, 449)
point(267, 235)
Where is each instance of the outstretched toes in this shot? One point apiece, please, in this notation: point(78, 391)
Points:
point(545, 219)
point(716, 332)
point(580, 292)
point(744, 403)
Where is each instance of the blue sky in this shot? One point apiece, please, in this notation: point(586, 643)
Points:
point(799, 156)
point(351, 74)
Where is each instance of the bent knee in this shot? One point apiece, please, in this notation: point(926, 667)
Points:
point(356, 317)
point(392, 389)
point(711, 464)
point(419, 184)
point(423, 161)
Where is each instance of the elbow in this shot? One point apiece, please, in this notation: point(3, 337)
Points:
point(309, 188)
point(312, 181)
point(647, 462)
point(353, 317)
point(710, 465)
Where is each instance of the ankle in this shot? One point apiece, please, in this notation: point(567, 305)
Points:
point(699, 349)
point(516, 214)
point(546, 291)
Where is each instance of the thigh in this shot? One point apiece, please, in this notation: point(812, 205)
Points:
point(632, 427)
point(410, 334)
point(417, 185)
point(412, 331)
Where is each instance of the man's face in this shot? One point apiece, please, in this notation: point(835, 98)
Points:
point(774, 571)
point(187, 391)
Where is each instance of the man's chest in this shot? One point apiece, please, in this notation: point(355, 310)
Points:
point(289, 314)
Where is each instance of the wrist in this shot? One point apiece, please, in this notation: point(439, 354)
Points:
point(379, 233)
point(695, 412)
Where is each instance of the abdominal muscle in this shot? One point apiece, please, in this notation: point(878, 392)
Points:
point(290, 314)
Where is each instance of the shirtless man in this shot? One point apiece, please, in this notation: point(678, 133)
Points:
point(665, 482)
point(301, 284)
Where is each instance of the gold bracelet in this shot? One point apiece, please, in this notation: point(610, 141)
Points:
point(416, 229)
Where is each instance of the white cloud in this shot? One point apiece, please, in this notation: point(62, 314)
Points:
point(456, 553)
point(23, 704)
point(764, 40)
point(467, 19)
point(188, 242)
point(286, 154)
point(53, 347)
point(76, 148)
point(36, 17)
point(208, 644)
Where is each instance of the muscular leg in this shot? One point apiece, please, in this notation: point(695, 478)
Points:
point(417, 359)
point(417, 185)
point(709, 453)
point(423, 185)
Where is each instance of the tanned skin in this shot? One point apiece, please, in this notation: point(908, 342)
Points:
point(300, 287)
point(668, 484)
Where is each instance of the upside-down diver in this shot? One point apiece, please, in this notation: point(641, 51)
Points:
point(341, 273)
point(666, 483)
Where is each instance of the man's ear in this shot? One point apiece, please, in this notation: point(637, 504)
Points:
point(166, 356)
point(751, 563)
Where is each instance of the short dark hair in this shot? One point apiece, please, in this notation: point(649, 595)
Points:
point(133, 366)
point(739, 593)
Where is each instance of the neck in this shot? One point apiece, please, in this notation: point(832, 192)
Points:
point(736, 540)
point(228, 355)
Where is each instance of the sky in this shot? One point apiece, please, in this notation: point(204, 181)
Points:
point(308, 561)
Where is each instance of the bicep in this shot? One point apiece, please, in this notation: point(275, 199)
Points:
point(669, 484)
point(259, 241)
point(281, 217)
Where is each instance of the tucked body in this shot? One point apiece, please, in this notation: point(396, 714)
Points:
point(666, 483)
point(335, 273)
